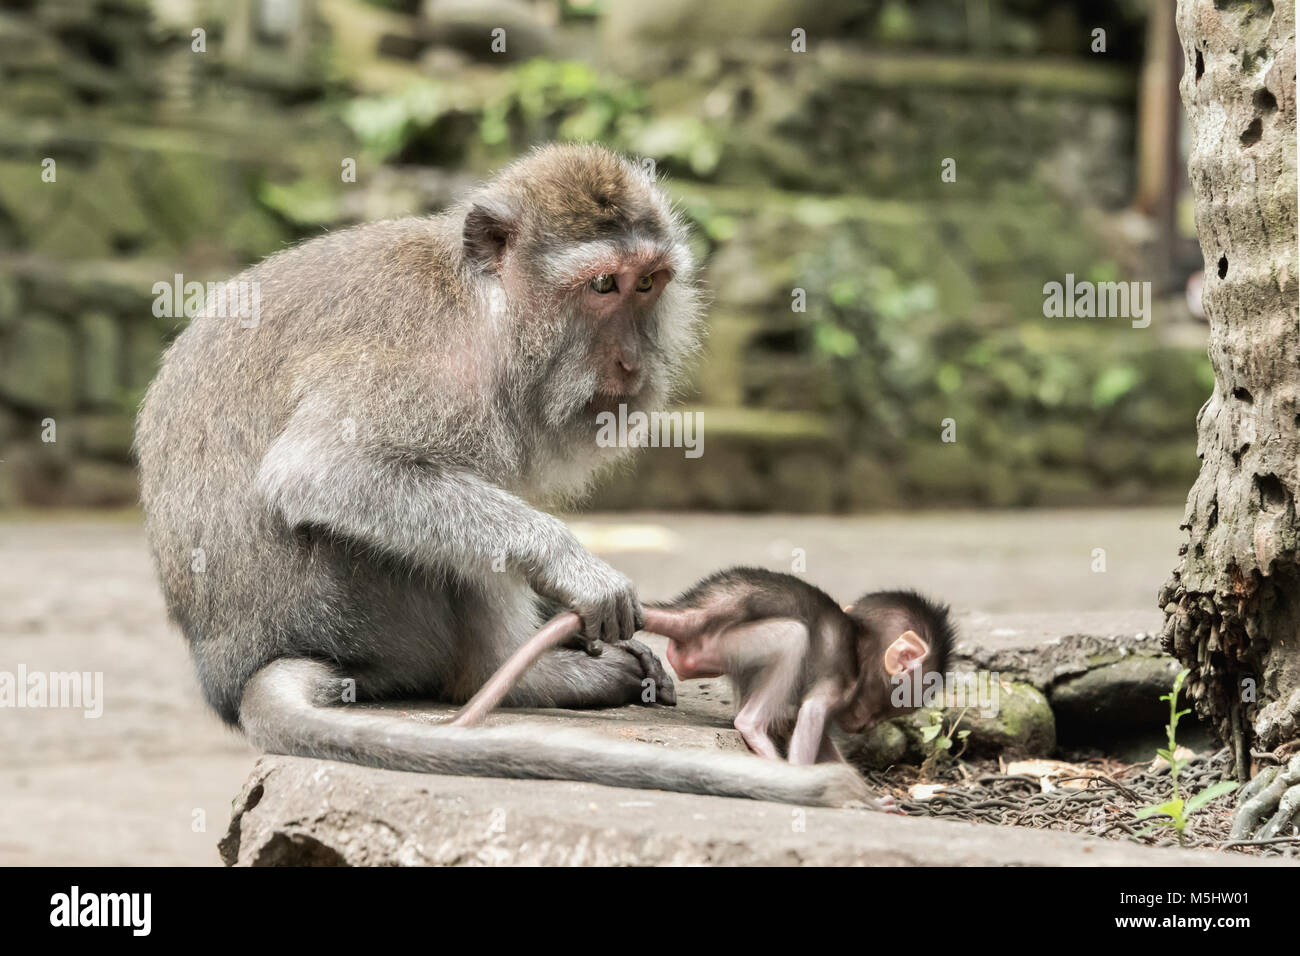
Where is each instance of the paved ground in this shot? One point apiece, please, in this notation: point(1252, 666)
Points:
point(151, 780)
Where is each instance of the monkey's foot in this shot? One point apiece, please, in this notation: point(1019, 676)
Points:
point(665, 692)
point(1274, 793)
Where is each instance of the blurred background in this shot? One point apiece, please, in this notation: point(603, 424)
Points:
point(195, 137)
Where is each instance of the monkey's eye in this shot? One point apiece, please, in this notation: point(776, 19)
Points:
point(603, 284)
point(645, 283)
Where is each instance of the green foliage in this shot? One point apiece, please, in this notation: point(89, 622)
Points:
point(941, 739)
point(548, 99)
point(305, 202)
point(1050, 411)
point(1177, 812)
point(534, 102)
point(537, 101)
point(386, 124)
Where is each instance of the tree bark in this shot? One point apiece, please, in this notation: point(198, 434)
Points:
point(1232, 607)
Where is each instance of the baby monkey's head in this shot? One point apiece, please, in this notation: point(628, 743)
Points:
point(902, 635)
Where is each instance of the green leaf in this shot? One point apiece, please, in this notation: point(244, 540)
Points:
point(1113, 384)
point(835, 341)
point(1209, 793)
point(1173, 808)
point(929, 733)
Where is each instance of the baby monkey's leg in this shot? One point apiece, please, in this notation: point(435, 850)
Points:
point(683, 625)
point(810, 737)
point(772, 652)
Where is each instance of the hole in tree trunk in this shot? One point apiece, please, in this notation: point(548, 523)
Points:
point(1223, 266)
point(1273, 495)
point(1253, 132)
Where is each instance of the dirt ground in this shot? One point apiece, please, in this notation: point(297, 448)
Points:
point(150, 780)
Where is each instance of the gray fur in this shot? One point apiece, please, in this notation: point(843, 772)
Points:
point(355, 467)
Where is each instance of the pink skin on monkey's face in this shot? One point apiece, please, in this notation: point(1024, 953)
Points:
point(618, 303)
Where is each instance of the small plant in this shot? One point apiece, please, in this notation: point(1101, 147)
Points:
point(1178, 812)
point(942, 740)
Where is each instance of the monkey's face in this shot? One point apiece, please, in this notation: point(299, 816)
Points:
point(598, 279)
point(616, 305)
point(598, 325)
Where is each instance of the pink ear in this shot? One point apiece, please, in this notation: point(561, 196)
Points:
point(906, 653)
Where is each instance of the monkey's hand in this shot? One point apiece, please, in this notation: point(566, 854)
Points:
point(605, 599)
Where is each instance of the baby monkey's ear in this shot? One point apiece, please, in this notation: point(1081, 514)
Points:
point(906, 653)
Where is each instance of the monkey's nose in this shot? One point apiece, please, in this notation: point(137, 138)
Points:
point(628, 375)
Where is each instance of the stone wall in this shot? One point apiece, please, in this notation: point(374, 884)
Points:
point(817, 171)
point(158, 155)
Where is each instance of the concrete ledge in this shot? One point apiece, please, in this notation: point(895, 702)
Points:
point(295, 811)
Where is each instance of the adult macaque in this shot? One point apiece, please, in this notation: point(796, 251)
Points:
point(799, 661)
point(336, 488)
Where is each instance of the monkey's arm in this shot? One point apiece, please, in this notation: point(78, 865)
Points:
point(438, 516)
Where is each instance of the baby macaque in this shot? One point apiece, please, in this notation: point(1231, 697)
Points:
point(798, 660)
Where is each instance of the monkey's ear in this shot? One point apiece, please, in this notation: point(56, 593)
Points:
point(906, 653)
point(488, 228)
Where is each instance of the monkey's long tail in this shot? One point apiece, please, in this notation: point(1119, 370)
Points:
point(284, 712)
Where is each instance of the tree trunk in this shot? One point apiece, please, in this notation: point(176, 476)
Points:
point(1232, 608)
